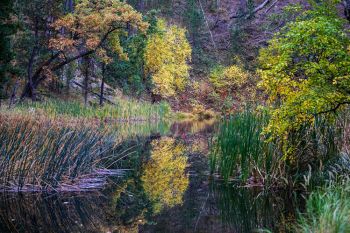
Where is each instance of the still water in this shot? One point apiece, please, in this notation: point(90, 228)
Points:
point(165, 187)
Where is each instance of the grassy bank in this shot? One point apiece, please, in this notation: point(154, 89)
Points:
point(124, 110)
point(63, 145)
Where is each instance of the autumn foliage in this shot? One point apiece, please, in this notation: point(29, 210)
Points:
point(91, 24)
point(166, 59)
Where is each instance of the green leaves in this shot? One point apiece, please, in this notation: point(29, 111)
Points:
point(302, 67)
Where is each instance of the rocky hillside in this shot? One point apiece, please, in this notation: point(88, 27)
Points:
point(221, 29)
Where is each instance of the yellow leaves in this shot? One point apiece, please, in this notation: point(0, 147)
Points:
point(235, 75)
point(166, 56)
point(116, 46)
point(225, 79)
point(102, 54)
point(164, 178)
point(301, 72)
point(164, 82)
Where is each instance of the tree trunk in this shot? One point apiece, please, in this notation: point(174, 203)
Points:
point(13, 94)
point(141, 6)
point(31, 89)
point(86, 79)
point(346, 4)
point(102, 84)
point(94, 93)
point(69, 6)
point(243, 6)
point(38, 77)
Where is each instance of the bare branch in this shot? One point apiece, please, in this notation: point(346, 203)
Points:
point(256, 9)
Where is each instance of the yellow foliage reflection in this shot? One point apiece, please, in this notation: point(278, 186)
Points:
point(164, 178)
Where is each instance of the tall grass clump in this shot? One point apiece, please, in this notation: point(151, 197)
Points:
point(327, 210)
point(39, 153)
point(125, 110)
point(316, 152)
point(239, 148)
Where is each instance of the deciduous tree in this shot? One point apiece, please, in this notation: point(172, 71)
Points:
point(83, 33)
point(166, 56)
point(7, 28)
point(305, 70)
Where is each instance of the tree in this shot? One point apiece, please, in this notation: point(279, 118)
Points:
point(346, 4)
point(233, 86)
point(83, 33)
point(166, 56)
point(30, 44)
point(305, 70)
point(129, 73)
point(194, 20)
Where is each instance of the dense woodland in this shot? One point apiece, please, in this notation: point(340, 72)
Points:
point(273, 74)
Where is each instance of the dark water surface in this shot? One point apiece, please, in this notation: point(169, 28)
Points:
point(167, 189)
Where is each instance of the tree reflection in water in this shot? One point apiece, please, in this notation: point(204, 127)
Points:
point(164, 179)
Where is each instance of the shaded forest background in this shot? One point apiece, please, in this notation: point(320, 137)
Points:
point(221, 33)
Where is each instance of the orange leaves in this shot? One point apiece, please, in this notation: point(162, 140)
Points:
point(49, 74)
point(92, 43)
point(65, 22)
point(61, 43)
point(91, 25)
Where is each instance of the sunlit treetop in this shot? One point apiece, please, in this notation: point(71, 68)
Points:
point(92, 24)
point(305, 70)
point(166, 56)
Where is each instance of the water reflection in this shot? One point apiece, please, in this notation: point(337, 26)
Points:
point(189, 127)
point(127, 130)
point(215, 207)
point(90, 212)
point(166, 189)
point(250, 210)
point(164, 179)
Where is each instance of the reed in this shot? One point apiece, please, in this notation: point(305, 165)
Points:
point(40, 153)
point(239, 149)
point(253, 210)
point(327, 210)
